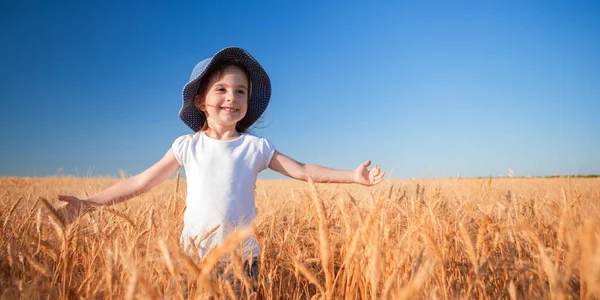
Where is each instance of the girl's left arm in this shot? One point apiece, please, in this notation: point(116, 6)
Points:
point(361, 175)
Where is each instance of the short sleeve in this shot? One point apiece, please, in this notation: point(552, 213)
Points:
point(267, 151)
point(180, 147)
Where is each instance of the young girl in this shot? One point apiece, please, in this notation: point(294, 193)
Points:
point(226, 94)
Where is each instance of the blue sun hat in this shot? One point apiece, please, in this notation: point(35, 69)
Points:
point(260, 93)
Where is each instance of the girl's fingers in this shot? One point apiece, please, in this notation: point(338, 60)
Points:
point(377, 179)
point(375, 171)
point(68, 199)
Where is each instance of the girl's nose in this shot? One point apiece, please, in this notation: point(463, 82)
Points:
point(231, 97)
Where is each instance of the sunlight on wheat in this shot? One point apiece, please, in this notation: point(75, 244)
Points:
point(508, 238)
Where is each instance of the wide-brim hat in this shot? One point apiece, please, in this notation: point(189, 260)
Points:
point(260, 93)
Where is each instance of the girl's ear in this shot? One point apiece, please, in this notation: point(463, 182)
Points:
point(199, 103)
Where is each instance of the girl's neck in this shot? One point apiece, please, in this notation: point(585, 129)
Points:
point(222, 133)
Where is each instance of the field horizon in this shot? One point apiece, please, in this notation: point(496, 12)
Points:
point(122, 175)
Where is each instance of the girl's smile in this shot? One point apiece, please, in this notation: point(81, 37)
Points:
point(225, 108)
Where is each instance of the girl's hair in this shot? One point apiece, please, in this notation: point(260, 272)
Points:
point(217, 71)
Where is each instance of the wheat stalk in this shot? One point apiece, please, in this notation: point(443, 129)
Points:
point(230, 244)
point(325, 249)
point(38, 266)
point(120, 215)
point(307, 274)
point(10, 212)
point(362, 231)
point(53, 213)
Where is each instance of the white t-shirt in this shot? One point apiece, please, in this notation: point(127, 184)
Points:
point(221, 178)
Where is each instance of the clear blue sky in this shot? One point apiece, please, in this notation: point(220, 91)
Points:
point(427, 90)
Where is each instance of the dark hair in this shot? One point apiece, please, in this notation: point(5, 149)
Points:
point(218, 70)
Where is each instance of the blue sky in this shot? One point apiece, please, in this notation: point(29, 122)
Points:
point(427, 89)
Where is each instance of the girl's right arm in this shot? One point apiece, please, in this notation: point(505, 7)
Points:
point(124, 189)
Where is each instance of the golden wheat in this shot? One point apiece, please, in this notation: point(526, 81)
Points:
point(446, 239)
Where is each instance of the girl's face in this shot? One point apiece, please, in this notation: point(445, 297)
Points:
point(226, 100)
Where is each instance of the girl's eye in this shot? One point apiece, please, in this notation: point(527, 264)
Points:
point(242, 92)
point(220, 89)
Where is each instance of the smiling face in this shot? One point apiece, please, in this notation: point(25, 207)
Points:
point(225, 99)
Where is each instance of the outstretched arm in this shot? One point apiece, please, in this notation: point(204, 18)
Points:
point(122, 190)
point(361, 175)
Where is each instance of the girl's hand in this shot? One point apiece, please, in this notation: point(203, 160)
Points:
point(367, 177)
point(73, 208)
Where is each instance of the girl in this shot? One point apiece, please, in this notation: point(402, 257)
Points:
point(226, 94)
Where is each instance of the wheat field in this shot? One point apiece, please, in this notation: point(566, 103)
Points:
point(510, 238)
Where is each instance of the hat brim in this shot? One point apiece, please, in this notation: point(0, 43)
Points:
point(260, 93)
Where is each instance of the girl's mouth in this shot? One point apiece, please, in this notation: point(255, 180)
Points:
point(229, 109)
